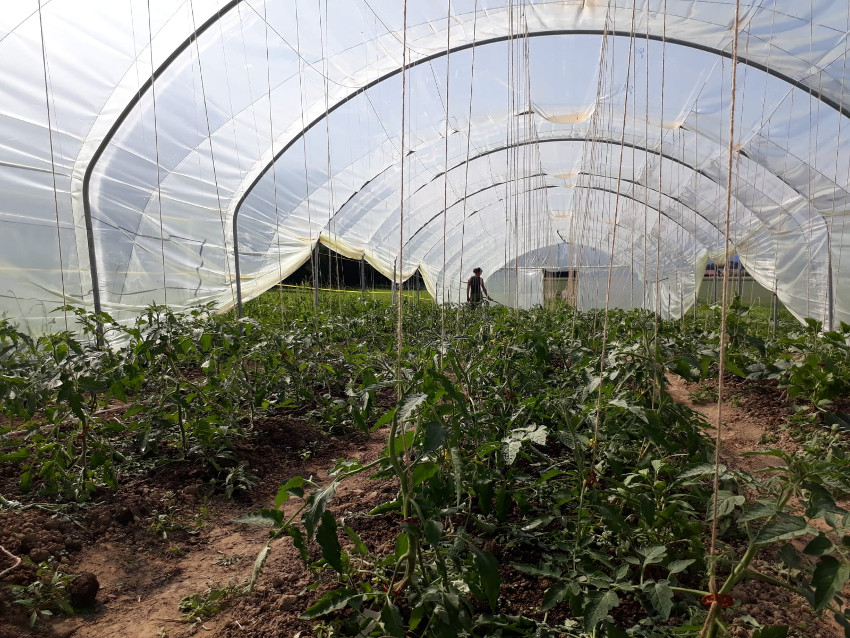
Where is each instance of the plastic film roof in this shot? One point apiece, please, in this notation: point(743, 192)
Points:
point(194, 151)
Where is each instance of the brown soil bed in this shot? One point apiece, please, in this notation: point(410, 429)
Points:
point(751, 416)
point(162, 537)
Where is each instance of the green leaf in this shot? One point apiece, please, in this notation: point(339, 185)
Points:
point(652, 554)
point(539, 522)
point(542, 572)
point(332, 601)
point(784, 527)
point(726, 503)
point(409, 405)
point(488, 572)
point(354, 537)
point(15, 457)
point(820, 502)
point(117, 390)
point(841, 419)
point(759, 509)
point(677, 566)
point(828, 579)
point(424, 471)
point(790, 556)
point(433, 532)
point(293, 487)
point(392, 621)
point(597, 609)
point(263, 518)
point(706, 469)
point(554, 595)
point(661, 597)
point(735, 369)
point(512, 443)
point(818, 546)
point(384, 420)
point(435, 435)
point(416, 616)
point(402, 544)
point(327, 538)
point(316, 504)
point(258, 568)
point(383, 508)
point(299, 541)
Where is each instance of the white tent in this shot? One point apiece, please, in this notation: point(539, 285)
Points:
point(194, 151)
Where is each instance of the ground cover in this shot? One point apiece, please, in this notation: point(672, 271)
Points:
point(288, 473)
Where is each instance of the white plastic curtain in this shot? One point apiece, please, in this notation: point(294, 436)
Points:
point(149, 148)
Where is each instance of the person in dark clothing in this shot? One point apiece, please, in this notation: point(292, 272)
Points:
point(475, 288)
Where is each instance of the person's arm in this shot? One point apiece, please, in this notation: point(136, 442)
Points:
point(468, 284)
point(484, 288)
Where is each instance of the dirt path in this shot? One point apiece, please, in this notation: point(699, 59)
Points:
point(160, 539)
point(741, 432)
point(141, 589)
point(749, 424)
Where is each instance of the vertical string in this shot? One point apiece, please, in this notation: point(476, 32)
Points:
point(52, 158)
point(722, 368)
point(156, 156)
point(399, 258)
point(657, 391)
point(212, 158)
point(274, 164)
point(612, 248)
point(445, 180)
point(466, 162)
point(313, 250)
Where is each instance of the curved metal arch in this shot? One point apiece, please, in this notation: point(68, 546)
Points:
point(652, 152)
point(113, 130)
point(843, 110)
point(473, 213)
point(601, 140)
point(594, 188)
point(553, 186)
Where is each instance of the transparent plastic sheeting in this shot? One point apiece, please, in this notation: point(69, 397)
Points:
point(157, 139)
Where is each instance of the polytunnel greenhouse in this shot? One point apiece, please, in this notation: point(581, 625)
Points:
point(185, 153)
point(617, 405)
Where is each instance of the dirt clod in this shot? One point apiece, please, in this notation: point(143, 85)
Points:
point(39, 555)
point(83, 590)
point(286, 602)
point(124, 516)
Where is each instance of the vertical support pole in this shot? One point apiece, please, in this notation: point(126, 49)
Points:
point(697, 288)
point(393, 286)
point(740, 279)
point(715, 284)
point(418, 287)
point(775, 312)
point(316, 276)
point(363, 277)
point(236, 270)
point(830, 301)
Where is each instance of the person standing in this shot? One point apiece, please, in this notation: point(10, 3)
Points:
point(475, 288)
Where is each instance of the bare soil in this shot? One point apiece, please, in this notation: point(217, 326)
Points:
point(161, 538)
point(750, 418)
